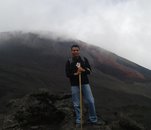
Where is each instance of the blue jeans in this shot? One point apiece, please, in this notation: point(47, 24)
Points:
point(88, 98)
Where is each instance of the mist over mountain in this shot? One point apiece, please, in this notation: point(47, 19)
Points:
point(30, 61)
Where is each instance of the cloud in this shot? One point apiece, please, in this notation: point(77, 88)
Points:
point(121, 26)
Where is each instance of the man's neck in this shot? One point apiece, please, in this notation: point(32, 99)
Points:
point(75, 58)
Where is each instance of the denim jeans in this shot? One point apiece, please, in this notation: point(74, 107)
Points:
point(87, 97)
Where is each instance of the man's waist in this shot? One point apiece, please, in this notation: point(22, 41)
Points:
point(76, 82)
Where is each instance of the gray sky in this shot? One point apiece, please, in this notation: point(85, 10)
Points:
point(120, 26)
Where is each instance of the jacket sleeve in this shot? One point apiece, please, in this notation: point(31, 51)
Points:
point(87, 66)
point(68, 71)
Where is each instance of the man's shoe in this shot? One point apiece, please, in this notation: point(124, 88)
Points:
point(96, 123)
point(78, 125)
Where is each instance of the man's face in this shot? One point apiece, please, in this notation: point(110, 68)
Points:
point(75, 51)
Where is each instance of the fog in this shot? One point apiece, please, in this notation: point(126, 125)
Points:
point(120, 26)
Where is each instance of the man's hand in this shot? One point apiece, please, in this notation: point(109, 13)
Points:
point(79, 71)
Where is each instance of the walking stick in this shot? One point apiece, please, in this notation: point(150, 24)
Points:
point(80, 87)
point(81, 111)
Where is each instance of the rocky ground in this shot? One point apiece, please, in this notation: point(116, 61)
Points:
point(45, 111)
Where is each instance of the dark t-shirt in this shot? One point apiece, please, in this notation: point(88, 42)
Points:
point(71, 68)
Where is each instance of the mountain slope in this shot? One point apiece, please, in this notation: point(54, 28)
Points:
point(30, 61)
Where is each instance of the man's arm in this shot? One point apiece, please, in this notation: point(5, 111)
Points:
point(87, 66)
point(69, 73)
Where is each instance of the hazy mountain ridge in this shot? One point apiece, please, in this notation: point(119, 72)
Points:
point(34, 42)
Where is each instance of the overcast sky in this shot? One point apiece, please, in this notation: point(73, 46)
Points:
point(120, 26)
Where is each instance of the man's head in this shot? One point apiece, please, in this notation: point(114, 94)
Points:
point(75, 50)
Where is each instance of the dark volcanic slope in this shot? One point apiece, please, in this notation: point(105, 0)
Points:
point(29, 62)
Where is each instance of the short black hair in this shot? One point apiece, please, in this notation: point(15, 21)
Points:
point(75, 46)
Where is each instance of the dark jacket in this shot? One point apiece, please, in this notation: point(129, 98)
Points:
point(71, 69)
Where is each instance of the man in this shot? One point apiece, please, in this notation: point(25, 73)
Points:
point(72, 72)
